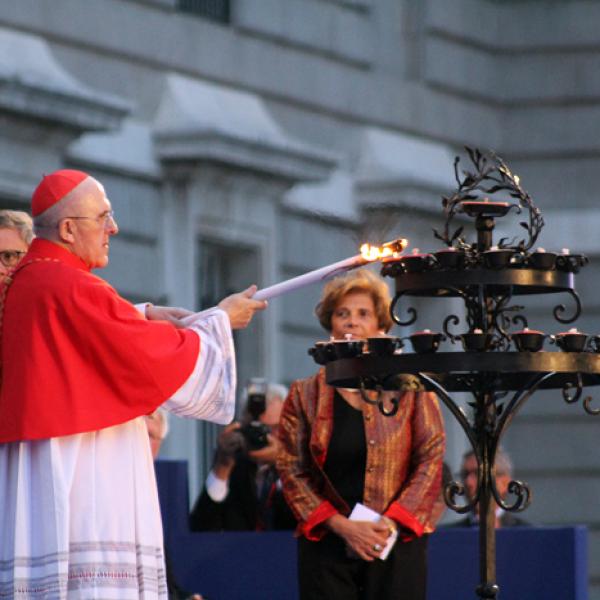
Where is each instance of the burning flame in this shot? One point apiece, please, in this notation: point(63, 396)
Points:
point(372, 253)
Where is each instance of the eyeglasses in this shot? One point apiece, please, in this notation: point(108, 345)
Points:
point(106, 219)
point(10, 258)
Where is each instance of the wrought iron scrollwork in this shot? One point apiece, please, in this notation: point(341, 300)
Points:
point(454, 489)
point(520, 320)
point(490, 175)
point(450, 319)
point(572, 392)
point(519, 489)
point(517, 401)
point(561, 308)
point(381, 400)
point(501, 320)
point(587, 401)
point(411, 311)
point(457, 411)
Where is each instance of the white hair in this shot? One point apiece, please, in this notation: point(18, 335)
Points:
point(276, 391)
point(19, 221)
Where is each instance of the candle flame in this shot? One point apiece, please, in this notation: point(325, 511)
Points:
point(373, 253)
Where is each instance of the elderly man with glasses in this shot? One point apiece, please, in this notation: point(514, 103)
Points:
point(16, 233)
point(504, 474)
point(80, 367)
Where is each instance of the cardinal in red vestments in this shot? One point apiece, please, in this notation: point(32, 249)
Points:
point(79, 367)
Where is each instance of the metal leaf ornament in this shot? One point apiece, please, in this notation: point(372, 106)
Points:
point(489, 175)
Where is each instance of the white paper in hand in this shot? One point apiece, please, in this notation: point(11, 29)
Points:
point(360, 512)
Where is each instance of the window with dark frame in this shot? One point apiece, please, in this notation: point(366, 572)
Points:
point(224, 268)
point(217, 10)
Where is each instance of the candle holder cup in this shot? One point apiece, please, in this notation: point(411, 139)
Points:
point(322, 352)
point(476, 341)
point(384, 346)
point(424, 342)
point(571, 341)
point(347, 348)
point(498, 259)
point(529, 340)
point(417, 263)
point(450, 258)
point(545, 261)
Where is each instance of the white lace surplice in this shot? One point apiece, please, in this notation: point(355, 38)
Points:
point(79, 515)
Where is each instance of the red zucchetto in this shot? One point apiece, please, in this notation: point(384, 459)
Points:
point(55, 187)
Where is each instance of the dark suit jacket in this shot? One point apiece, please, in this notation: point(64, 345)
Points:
point(242, 510)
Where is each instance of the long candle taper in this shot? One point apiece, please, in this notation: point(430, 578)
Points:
point(332, 270)
point(311, 277)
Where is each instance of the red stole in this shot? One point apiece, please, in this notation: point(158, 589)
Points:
point(76, 356)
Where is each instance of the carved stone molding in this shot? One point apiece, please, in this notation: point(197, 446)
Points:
point(200, 122)
point(35, 85)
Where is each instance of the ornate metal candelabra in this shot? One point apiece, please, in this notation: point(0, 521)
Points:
point(501, 368)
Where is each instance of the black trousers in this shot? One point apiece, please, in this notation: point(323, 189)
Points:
point(325, 572)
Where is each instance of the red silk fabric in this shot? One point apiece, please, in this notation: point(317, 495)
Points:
point(76, 356)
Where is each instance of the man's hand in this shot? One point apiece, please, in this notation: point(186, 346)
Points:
point(268, 454)
point(229, 443)
point(167, 313)
point(240, 307)
point(366, 539)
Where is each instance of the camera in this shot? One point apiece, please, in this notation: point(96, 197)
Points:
point(255, 433)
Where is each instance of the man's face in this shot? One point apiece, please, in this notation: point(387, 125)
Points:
point(469, 476)
point(272, 413)
point(12, 249)
point(93, 227)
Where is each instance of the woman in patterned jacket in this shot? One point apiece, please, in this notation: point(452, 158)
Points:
point(338, 450)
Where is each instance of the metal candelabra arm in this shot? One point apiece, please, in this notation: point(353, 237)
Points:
point(572, 392)
point(454, 489)
point(561, 308)
point(380, 401)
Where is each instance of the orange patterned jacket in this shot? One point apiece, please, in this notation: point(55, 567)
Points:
point(403, 466)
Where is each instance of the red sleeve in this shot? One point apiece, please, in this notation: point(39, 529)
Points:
point(297, 470)
point(407, 520)
point(77, 357)
point(313, 528)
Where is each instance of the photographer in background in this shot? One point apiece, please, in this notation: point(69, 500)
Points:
point(242, 491)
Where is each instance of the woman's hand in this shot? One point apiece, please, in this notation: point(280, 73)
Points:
point(366, 539)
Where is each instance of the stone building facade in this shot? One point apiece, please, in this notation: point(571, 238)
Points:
point(251, 140)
